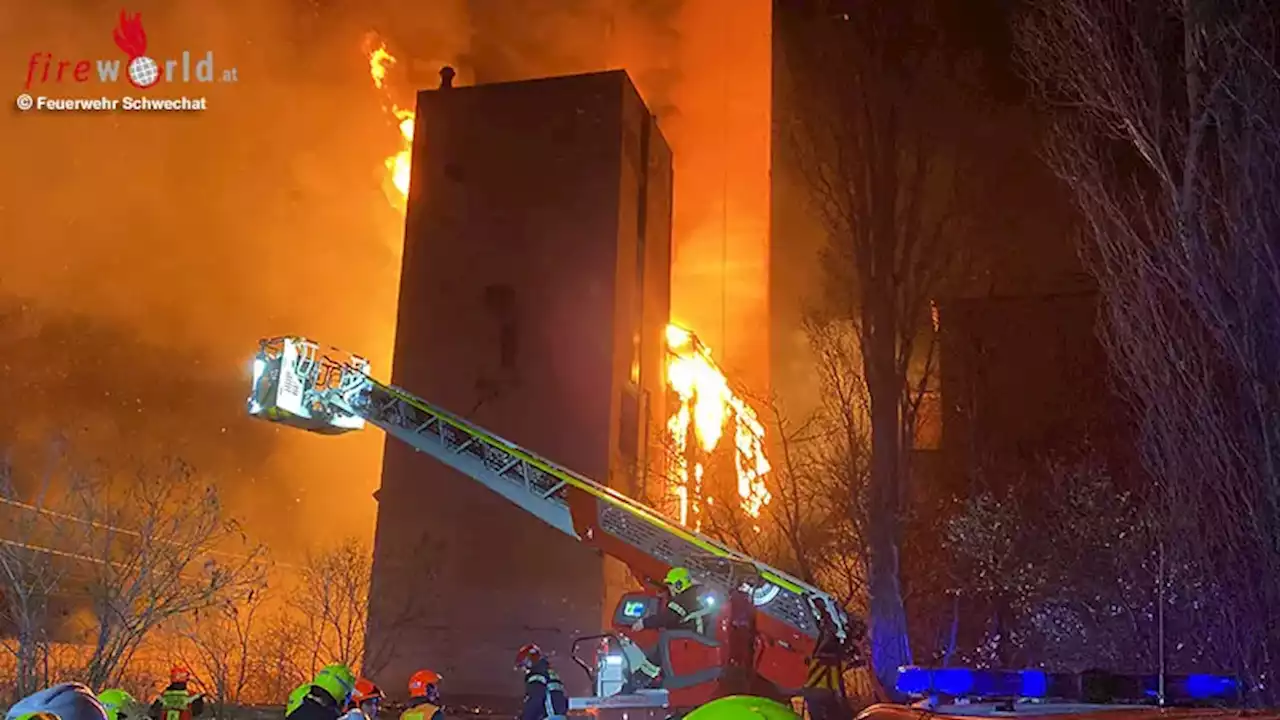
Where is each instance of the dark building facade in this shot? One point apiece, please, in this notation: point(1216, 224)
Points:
point(533, 301)
point(1025, 379)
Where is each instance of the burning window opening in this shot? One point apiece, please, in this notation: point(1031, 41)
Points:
point(705, 405)
point(380, 60)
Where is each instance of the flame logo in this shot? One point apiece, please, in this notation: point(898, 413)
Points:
point(130, 35)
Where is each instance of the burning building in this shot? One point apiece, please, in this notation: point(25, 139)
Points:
point(534, 300)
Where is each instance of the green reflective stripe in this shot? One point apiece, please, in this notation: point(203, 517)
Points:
point(591, 488)
point(697, 617)
point(536, 678)
point(678, 610)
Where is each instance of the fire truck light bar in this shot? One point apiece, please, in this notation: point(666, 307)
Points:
point(1091, 687)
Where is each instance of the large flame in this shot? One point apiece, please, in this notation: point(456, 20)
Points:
point(398, 164)
point(708, 404)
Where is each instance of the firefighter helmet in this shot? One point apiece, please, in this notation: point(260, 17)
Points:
point(336, 680)
point(117, 703)
point(422, 682)
point(741, 707)
point(678, 580)
point(179, 674)
point(365, 691)
point(65, 701)
point(527, 655)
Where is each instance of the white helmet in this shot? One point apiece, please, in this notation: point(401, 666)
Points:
point(65, 701)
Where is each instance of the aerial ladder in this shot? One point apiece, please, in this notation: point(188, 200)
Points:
point(300, 383)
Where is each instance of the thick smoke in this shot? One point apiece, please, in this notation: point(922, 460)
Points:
point(151, 252)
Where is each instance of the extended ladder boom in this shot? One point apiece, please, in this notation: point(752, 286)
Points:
point(297, 382)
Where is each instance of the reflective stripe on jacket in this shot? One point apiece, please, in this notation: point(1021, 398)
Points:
point(544, 695)
point(685, 611)
point(423, 711)
point(175, 705)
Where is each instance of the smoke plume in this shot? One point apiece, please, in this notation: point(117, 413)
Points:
point(142, 256)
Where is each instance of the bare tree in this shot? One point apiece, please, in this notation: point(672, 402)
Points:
point(31, 572)
point(283, 653)
point(222, 640)
point(332, 606)
point(333, 602)
point(877, 109)
point(159, 547)
point(1166, 132)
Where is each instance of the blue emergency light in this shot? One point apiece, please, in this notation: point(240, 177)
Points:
point(1090, 687)
point(967, 682)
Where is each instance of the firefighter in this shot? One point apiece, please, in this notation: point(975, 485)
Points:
point(65, 701)
point(119, 704)
point(544, 696)
point(324, 697)
point(742, 706)
point(684, 610)
point(365, 701)
point(424, 697)
point(175, 702)
point(824, 692)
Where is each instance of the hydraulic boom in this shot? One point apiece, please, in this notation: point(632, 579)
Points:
point(299, 383)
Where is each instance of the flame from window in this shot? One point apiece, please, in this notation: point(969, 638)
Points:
point(398, 164)
point(708, 406)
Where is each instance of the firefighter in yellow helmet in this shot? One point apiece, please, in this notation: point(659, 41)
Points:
point(684, 610)
point(175, 702)
point(119, 705)
point(65, 701)
point(424, 697)
point(325, 697)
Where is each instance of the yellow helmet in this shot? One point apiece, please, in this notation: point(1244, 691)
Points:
point(117, 703)
point(678, 580)
point(338, 681)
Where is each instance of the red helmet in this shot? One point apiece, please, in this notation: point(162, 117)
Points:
point(421, 683)
point(179, 674)
point(528, 655)
point(366, 690)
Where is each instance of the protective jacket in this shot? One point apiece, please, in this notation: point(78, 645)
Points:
point(684, 611)
point(176, 703)
point(828, 662)
point(312, 702)
point(544, 695)
point(422, 709)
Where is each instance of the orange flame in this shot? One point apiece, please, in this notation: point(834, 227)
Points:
point(707, 404)
point(380, 60)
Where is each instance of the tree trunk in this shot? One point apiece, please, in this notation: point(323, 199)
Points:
point(890, 646)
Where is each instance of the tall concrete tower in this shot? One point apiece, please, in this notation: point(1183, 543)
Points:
point(533, 301)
